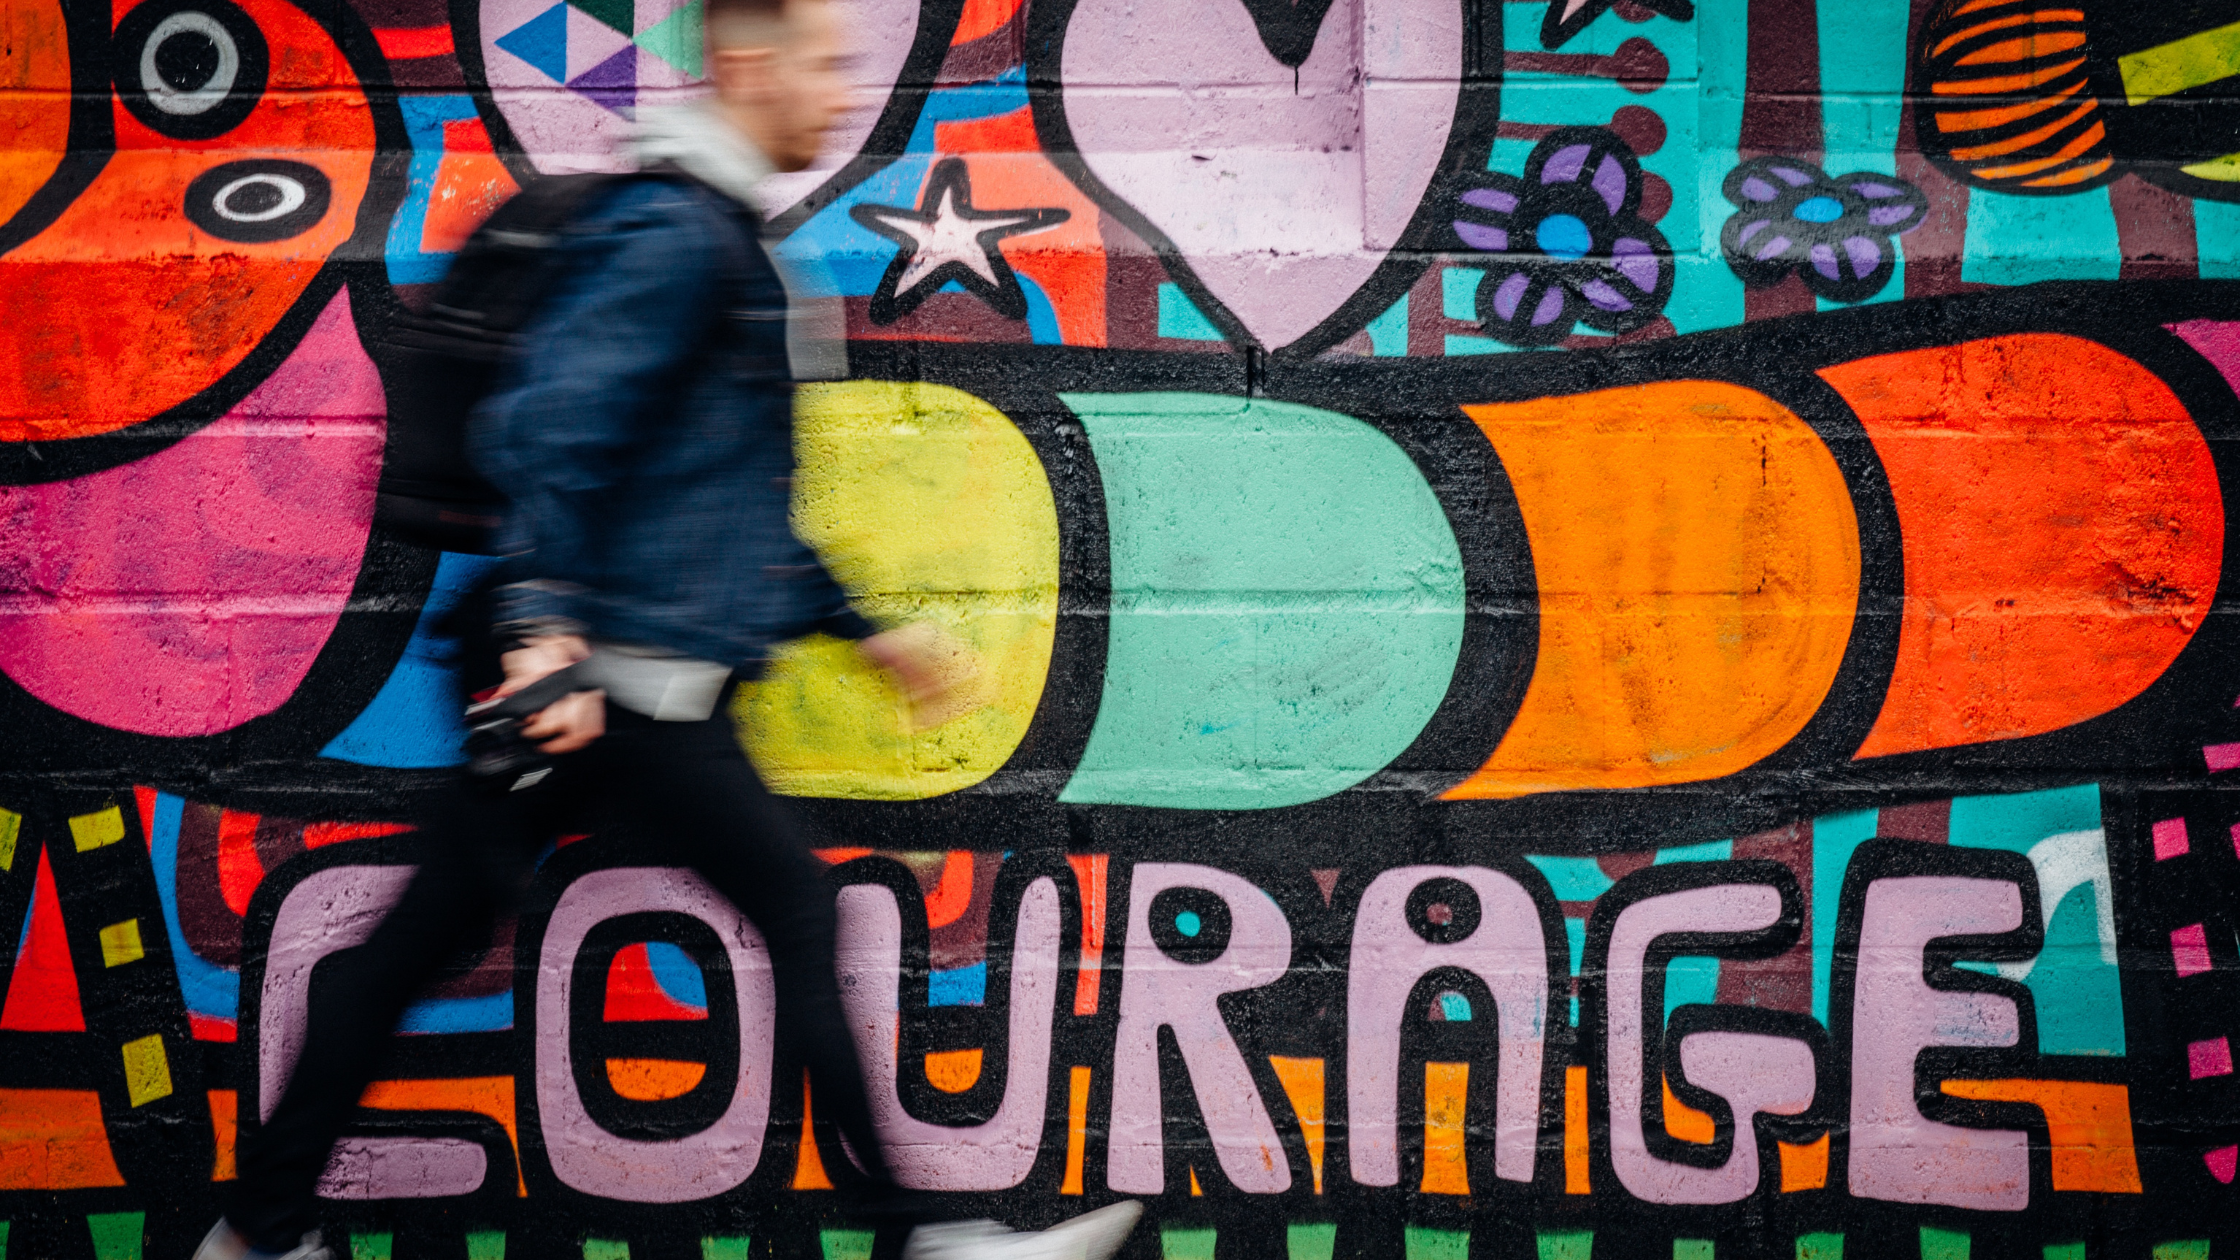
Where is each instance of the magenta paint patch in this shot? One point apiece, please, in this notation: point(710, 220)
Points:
point(2170, 839)
point(2222, 1162)
point(2218, 340)
point(188, 592)
point(2209, 1058)
point(2189, 949)
point(2221, 756)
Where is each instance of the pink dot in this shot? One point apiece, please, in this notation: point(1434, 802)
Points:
point(2170, 839)
point(2222, 1162)
point(2189, 949)
point(2209, 1058)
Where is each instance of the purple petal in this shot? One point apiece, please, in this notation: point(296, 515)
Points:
point(1755, 226)
point(1877, 190)
point(1610, 181)
point(1758, 190)
point(1772, 247)
point(1601, 294)
point(1551, 305)
point(1490, 199)
point(1863, 251)
point(1891, 216)
point(1511, 292)
point(1791, 176)
point(1479, 236)
point(1824, 262)
point(1565, 165)
point(1636, 262)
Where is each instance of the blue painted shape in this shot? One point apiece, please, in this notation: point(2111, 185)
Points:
point(1454, 1008)
point(1571, 878)
point(2022, 240)
point(1708, 851)
point(542, 41)
point(1042, 318)
point(1287, 602)
point(1188, 924)
point(1834, 838)
point(1388, 333)
point(2216, 235)
point(679, 977)
point(1565, 236)
point(1180, 319)
point(459, 1015)
point(1819, 210)
point(1458, 292)
point(2077, 990)
point(210, 990)
point(424, 117)
point(413, 721)
point(958, 986)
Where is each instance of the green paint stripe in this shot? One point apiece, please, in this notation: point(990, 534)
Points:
point(482, 1244)
point(116, 1235)
point(1438, 1244)
point(845, 1244)
point(2065, 1251)
point(371, 1246)
point(605, 1249)
point(1819, 1247)
point(715, 1247)
point(4, 1240)
point(1943, 1244)
point(1187, 1244)
point(2181, 64)
point(2183, 1249)
point(1570, 1245)
point(1303, 1240)
point(1693, 1249)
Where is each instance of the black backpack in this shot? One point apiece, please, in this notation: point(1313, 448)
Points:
point(444, 360)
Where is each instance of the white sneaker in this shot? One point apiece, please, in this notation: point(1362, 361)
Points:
point(224, 1242)
point(1089, 1236)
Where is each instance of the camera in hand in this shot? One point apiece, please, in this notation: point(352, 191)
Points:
point(497, 751)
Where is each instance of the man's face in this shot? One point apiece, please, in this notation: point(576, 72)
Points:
point(808, 75)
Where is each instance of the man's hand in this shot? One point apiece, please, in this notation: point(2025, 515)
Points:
point(940, 676)
point(569, 723)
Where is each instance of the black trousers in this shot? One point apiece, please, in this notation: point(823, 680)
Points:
point(700, 805)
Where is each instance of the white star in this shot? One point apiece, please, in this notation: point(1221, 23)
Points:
point(944, 238)
point(950, 238)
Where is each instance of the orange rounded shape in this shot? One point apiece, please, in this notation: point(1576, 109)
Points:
point(123, 307)
point(654, 1080)
point(34, 98)
point(1697, 559)
point(2063, 533)
point(953, 1071)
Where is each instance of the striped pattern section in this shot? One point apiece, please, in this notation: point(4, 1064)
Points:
point(2007, 106)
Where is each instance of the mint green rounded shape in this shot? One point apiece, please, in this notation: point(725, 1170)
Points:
point(1287, 602)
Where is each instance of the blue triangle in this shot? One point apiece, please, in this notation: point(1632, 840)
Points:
point(542, 41)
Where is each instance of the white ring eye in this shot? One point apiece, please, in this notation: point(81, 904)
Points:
point(189, 63)
point(259, 198)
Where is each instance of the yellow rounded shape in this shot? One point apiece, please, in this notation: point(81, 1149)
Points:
point(929, 506)
point(1697, 559)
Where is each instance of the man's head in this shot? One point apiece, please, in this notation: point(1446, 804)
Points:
point(778, 70)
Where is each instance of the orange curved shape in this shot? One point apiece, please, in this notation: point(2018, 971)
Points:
point(34, 98)
point(953, 1071)
point(953, 895)
point(654, 1080)
point(2063, 533)
point(1697, 558)
point(122, 308)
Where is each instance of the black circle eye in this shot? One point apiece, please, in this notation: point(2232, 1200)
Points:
point(1443, 911)
point(258, 201)
point(190, 69)
point(1190, 925)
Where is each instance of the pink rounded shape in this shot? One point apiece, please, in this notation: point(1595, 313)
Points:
point(188, 592)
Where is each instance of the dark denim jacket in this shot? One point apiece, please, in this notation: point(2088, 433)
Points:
point(644, 437)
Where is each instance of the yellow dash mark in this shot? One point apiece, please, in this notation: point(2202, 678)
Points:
point(91, 831)
point(808, 1167)
point(1575, 1131)
point(147, 1071)
point(1303, 1085)
point(1077, 1129)
point(2182, 64)
point(1804, 1167)
point(2223, 170)
point(1446, 1160)
point(1685, 1122)
point(11, 823)
point(953, 1071)
point(120, 944)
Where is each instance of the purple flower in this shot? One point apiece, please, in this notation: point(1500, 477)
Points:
point(1569, 245)
point(1835, 233)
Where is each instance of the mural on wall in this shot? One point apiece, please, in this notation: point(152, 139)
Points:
point(1605, 624)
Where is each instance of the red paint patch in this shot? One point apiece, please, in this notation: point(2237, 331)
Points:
point(43, 991)
point(633, 993)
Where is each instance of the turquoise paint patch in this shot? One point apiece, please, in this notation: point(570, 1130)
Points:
point(413, 722)
point(1575, 937)
point(1287, 602)
point(1180, 319)
point(1388, 333)
point(2216, 236)
point(1708, 851)
point(2022, 240)
point(1689, 980)
point(1454, 1008)
point(1458, 293)
point(1475, 345)
point(1834, 837)
point(1571, 878)
point(1862, 102)
point(2076, 986)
